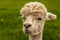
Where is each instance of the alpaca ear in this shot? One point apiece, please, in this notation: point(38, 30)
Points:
point(50, 16)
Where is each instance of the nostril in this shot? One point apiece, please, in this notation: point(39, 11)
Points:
point(27, 25)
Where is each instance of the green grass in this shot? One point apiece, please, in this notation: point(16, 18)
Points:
point(11, 22)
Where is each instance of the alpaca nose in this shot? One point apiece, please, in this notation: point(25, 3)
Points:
point(27, 25)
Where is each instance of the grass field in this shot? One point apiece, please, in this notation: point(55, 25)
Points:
point(11, 22)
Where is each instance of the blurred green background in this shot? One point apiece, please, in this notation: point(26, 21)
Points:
point(11, 22)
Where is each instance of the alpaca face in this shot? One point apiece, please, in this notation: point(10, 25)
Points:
point(34, 15)
point(33, 23)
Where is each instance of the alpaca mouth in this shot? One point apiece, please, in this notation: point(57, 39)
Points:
point(27, 31)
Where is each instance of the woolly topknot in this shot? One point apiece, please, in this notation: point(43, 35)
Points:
point(33, 7)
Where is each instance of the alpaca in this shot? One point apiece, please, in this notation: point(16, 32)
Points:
point(34, 15)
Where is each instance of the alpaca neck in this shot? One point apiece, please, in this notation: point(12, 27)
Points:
point(35, 37)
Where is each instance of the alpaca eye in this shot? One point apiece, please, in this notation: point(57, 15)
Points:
point(39, 18)
point(24, 18)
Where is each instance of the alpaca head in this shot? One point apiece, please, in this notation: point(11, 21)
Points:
point(34, 15)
